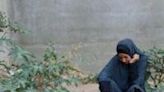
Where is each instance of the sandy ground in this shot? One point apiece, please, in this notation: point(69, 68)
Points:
point(85, 88)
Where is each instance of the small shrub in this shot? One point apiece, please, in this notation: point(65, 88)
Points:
point(155, 69)
point(50, 75)
point(25, 73)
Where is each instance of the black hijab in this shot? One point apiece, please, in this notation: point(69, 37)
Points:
point(127, 46)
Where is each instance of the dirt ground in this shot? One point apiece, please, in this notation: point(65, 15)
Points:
point(85, 88)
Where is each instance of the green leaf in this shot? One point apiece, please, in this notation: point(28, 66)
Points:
point(3, 20)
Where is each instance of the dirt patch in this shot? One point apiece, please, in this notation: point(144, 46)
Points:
point(84, 88)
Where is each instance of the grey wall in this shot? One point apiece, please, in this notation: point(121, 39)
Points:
point(3, 5)
point(89, 29)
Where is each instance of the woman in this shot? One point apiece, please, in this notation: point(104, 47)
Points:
point(126, 70)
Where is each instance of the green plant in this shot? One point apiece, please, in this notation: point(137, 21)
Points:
point(7, 44)
point(25, 73)
point(155, 69)
point(50, 75)
point(5, 22)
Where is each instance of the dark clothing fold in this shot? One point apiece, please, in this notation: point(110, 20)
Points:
point(111, 86)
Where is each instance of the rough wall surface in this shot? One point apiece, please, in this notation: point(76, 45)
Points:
point(89, 29)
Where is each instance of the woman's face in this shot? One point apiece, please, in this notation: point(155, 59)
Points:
point(125, 58)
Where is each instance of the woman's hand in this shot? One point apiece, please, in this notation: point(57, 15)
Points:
point(134, 59)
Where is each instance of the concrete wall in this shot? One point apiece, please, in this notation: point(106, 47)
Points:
point(89, 29)
point(3, 5)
